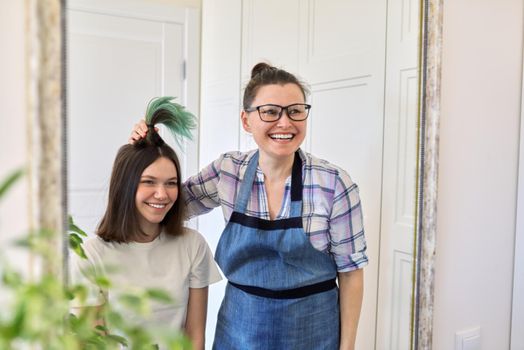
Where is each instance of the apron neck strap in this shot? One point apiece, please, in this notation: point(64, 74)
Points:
point(249, 176)
point(296, 179)
point(246, 185)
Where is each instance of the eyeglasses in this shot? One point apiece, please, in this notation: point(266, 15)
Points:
point(272, 113)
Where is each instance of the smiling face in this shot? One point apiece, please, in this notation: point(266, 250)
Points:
point(280, 139)
point(156, 193)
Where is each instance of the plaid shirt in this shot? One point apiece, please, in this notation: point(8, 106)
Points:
point(331, 210)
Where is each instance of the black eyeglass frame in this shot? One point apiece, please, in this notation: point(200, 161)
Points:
point(282, 109)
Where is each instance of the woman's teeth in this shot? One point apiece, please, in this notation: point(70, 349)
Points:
point(281, 136)
point(158, 206)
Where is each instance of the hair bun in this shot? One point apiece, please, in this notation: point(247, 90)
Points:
point(259, 68)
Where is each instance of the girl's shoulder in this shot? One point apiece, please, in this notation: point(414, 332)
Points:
point(95, 244)
point(94, 248)
point(188, 236)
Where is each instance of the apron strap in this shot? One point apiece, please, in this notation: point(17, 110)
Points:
point(296, 179)
point(249, 176)
point(296, 187)
point(294, 293)
point(245, 186)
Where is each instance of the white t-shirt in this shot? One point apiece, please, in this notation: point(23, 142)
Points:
point(171, 263)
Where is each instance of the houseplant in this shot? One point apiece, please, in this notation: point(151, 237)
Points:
point(37, 314)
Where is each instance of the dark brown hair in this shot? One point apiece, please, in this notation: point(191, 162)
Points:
point(263, 74)
point(120, 222)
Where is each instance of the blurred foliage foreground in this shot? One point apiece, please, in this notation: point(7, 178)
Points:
point(35, 310)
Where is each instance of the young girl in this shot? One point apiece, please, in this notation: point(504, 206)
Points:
point(293, 229)
point(141, 241)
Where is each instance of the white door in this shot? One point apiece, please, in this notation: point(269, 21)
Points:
point(120, 55)
point(339, 48)
point(343, 59)
point(399, 176)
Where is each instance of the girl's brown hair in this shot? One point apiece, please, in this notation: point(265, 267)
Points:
point(120, 222)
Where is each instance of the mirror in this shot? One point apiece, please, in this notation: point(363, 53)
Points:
point(379, 311)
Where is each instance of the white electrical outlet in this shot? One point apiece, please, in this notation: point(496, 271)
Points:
point(468, 339)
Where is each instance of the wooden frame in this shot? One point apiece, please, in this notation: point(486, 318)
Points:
point(47, 125)
point(425, 245)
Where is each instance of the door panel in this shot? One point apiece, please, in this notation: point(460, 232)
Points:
point(339, 49)
point(270, 32)
point(399, 181)
point(342, 39)
point(117, 62)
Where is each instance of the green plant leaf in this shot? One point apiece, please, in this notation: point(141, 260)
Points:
point(75, 238)
point(75, 243)
point(115, 319)
point(75, 229)
point(10, 181)
point(159, 295)
point(11, 278)
point(23, 243)
point(131, 301)
point(118, 339)
point(77, 291)
point(38, 316)
point(103, 282)
point(101, 328)
point(17, 325)
point(96, 342)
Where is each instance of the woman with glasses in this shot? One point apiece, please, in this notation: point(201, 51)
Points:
point(293, 229)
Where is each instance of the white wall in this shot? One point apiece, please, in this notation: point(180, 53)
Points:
point(517, 313)
point(478, 160)
point(13, 154)
point(481, 80)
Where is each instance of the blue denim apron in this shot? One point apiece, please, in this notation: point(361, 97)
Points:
point(281, 292)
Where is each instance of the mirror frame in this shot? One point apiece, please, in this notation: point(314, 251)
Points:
point(47, 129)
point(427, 173)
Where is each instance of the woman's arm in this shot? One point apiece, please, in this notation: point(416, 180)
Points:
point(200, 191)
point(196, 317)
point(351, 286)
point(349, 250)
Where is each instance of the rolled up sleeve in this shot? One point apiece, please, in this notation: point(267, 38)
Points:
point(346, 227)
point(200, 191)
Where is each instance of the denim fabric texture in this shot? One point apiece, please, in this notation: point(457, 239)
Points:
point(278, 258)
